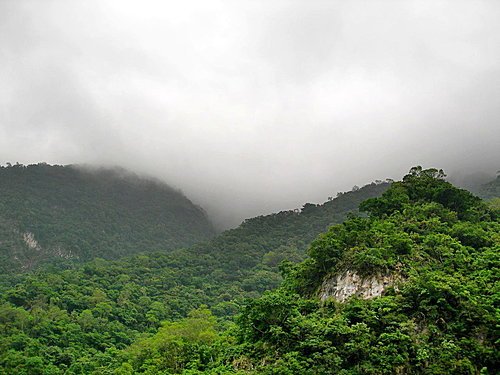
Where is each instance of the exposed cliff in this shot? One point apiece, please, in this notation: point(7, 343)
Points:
point(342, 286)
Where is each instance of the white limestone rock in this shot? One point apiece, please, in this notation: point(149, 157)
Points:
point(349, 283)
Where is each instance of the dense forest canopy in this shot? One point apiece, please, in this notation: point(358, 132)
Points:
point(67, 213)
point(134, 295)
point(421, 259)
point(491, 189)
point(439, 248)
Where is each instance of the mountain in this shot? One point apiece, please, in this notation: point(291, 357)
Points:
point(70, 213)
point(89, 311)
point(411, 289)
point(490, 190)
point(471, 180)
point(407, 285)
point(410, 286)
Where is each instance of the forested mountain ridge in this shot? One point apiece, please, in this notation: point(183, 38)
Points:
point(411, 286)
point(423, 298)
point(421, 295)
point(490, 190)
point(59, 213)
point(110, 304)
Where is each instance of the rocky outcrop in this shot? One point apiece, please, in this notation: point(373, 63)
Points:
point(30, 241)
point(349, 283)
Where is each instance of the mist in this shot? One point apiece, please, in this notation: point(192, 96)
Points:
point(252, 107)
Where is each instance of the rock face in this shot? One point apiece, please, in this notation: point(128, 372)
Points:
point(29, 240)
point(349, 283)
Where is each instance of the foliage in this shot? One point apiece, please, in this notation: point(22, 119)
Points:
point(60, 214)
point(491, 189)
point(88, 313)
point(439, 319)
point(142, 314)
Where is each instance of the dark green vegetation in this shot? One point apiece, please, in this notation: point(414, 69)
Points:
point(120, 300)
point(438, 245)
point(490, 190)
point(441, 245)
point(58, 214)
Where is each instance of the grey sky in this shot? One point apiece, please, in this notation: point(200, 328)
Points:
point(252, 106)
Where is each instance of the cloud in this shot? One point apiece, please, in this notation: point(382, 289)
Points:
point(252, 106)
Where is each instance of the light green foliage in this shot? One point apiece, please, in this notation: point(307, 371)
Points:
point(141, 315)
point(494, 204)
point(104, 306)
point(176, 344)
point(441, 242)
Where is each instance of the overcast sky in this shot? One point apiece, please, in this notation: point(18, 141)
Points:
point(252, 106)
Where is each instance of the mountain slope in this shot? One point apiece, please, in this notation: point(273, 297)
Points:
point(490, 190)
point(56, 213)
point(84, 314)
point(412, 289)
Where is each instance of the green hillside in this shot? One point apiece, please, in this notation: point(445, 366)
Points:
point(412, 289)
point(125, 299)
point(491, 189)
point(408, 287)
point(60, 213)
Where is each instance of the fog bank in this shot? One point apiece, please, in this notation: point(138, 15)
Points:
point(252, 107)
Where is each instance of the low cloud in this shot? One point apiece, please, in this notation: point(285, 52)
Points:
point(252, 106)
